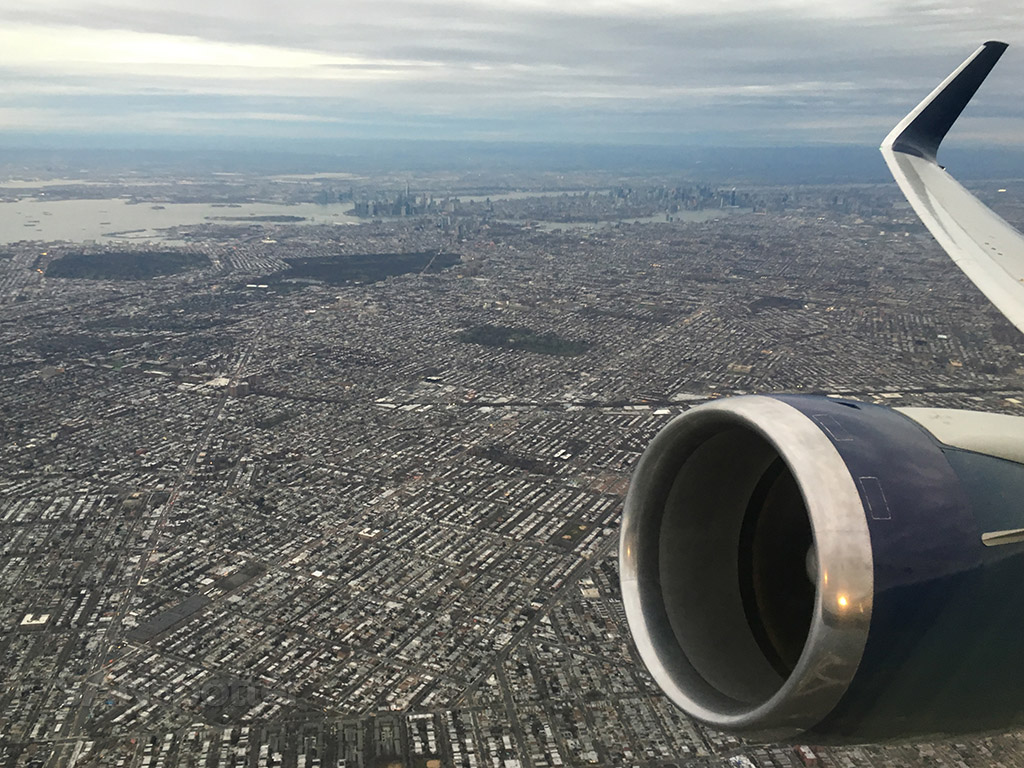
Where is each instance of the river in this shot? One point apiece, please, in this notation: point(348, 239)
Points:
point(118, 220)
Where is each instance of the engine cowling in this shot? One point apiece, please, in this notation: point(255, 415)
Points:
point(800, 563)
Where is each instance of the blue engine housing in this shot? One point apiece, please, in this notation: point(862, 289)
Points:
point(920, 629)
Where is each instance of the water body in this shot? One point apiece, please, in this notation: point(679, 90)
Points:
point(297, 177)
point(43, 183)
point(117, 220)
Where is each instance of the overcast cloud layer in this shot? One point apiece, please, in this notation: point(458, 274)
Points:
point(752, 72)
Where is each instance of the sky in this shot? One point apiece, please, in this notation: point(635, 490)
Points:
point(659, 72)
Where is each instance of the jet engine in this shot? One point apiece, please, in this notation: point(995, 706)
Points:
point(801, 563)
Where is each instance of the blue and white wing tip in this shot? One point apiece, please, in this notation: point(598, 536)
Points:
point(988, 250)
point(921, 131)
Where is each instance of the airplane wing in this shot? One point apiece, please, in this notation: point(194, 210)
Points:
point(983, 245)
point(802, 566)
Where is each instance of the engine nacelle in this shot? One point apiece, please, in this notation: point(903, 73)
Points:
point(798, 563)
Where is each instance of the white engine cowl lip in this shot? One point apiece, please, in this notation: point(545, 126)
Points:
point(845, 580)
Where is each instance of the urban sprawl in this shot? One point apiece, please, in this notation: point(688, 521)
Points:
point(302, 494)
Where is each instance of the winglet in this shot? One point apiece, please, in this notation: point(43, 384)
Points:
point(921, 132)
point(983, 245)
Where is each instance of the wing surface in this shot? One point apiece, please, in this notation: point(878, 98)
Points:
point(988, 250)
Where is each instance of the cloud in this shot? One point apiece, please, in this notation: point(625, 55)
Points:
point(543, 71)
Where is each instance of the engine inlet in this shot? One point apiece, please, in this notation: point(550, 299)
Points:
point(736, 566)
